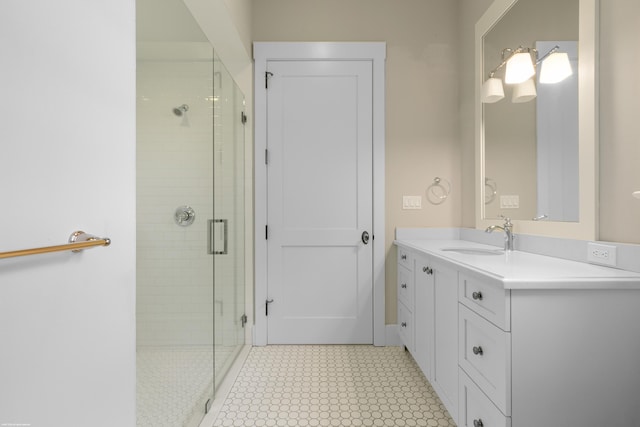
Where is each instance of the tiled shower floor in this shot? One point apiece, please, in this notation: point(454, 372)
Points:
point(174, 383)
point(331, 386)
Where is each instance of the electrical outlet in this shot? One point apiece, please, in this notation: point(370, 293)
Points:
point(601, 254)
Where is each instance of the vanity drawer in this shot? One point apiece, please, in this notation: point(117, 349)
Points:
point(405, 326)
point(405, 258)
point(488, 299)
point(484, 354)
point(476, 409)
point(405, 287)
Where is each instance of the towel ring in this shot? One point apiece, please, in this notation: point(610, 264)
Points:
point(490, 190)
point(438, 191)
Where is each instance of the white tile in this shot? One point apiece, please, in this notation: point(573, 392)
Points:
point(331, 386)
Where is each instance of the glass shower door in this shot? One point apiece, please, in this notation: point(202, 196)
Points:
point(175, 197)
point(229, 219)
point(175, 272)
point(190, 217)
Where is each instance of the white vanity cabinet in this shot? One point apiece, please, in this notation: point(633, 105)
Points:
point(445, 361)
point(484, 351)
point(406, 298)
point(424, 315)
point(522, 340)
point(432, 317)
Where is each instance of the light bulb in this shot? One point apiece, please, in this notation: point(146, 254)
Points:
point(519, 68)
point(524, 92)
point(492, 91)
point(555, 68)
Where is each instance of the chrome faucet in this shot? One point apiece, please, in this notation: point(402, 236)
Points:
point(507, 227)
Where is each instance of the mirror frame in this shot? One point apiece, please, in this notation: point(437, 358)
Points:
point(587, 226)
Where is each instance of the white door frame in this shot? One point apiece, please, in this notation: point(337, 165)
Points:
point(365, 51)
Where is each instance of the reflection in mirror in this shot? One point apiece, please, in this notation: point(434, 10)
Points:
point(531, 135)
point(536, 122)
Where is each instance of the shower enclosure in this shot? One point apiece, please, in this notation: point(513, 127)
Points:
point(190, 217)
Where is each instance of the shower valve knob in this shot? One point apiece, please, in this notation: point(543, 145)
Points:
point(184, 216)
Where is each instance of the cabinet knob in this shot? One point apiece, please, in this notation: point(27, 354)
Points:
point(477, 350)
point(403, 286)
point(403, 324)
point(403, 257)
point(477, 423)
point(477, 296)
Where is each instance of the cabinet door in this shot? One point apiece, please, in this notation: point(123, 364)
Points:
point(423, 315)
point(406, 325)
point(405, 287)
point(445, 366)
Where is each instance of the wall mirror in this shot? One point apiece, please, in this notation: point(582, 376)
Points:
point(536, 116)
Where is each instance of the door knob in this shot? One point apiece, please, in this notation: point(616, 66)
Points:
point(365, 237)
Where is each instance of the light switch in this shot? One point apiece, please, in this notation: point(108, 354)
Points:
point(411, 202)
point(509, 202)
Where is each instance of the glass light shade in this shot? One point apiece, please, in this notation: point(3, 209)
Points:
point(555, 68)
point(524, 92)
point(492, 91)
point(519, 68)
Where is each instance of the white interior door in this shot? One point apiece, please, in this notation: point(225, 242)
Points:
point(319, 206)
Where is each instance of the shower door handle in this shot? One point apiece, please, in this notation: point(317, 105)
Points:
point(212, 236)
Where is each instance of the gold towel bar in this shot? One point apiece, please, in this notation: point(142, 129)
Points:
point(78, 241)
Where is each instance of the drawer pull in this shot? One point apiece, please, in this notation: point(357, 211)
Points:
point(477, 296)
point(403, 256)
point(478, 423)
point(403, 286)
point(403, 324)
point(477, 350)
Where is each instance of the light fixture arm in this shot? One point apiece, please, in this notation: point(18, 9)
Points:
point(511, 52)
point(546, 55)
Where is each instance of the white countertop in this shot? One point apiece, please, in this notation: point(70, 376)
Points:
point(524, 270)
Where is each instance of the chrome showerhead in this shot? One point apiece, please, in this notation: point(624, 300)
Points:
point(179, 111)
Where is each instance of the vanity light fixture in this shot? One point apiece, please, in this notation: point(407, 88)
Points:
point(492, 90)
point(555, 68)
point(520, 68)
point(524, 92)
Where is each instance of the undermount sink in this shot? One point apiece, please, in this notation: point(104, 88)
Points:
point(475, 251)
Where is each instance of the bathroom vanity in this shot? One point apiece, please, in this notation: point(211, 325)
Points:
point(520, 339)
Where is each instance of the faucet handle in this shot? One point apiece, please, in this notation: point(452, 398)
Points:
point(507, 220)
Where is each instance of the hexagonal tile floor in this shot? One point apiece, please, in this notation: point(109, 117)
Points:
point(341, 385)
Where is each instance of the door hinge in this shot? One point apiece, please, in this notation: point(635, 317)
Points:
point(266, 232)
point(243, 320)
point(266, 156)
point(243, 118)
point(267, 74)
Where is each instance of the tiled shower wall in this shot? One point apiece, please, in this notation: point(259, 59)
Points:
point(175, 168)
